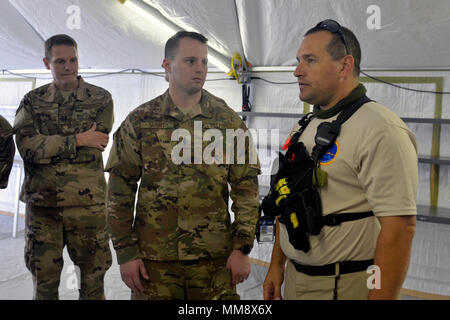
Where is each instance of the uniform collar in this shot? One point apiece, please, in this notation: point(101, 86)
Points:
point(52, 90)
point(356, 93)
point(171, 110)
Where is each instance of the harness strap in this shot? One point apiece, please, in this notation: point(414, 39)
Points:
point(335, 219)
point(350, 110)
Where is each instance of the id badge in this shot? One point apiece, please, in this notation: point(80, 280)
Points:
point(267, 230)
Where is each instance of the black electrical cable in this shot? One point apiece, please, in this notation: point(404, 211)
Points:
point(221, 79)
point(47, 78)
point(369, 76)
point(133, 71)
point(272, 82)
point(110, 73)
point(150, 73)
point(23, 75)
point(404, 88)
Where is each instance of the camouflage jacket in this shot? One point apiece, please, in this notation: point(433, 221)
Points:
point(182, 211)
point(57, 173)
point(7, 151)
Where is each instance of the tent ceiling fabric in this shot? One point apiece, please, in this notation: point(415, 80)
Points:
point(413, 34)
point(215, 19)
point(20, 46)
point(110, 34)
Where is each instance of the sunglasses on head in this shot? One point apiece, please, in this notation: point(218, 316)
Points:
point(333, 27)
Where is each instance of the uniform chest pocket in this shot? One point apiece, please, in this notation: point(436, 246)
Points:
point(46, 118)
point(157, 145)
point(205, 144)
point(83, 116)
point(64, 119)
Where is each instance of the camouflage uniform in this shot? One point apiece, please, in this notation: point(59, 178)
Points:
point(187, 280)
point(64, 186)
point(182, 209)
point(7, 151)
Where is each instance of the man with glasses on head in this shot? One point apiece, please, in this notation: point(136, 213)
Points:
point(371, 167)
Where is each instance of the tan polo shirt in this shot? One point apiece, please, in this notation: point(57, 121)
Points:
point(373, 166)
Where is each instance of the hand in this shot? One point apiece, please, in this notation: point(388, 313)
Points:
point(272, 283)
point(92, 138)
point(131, 272)
point(239, 265)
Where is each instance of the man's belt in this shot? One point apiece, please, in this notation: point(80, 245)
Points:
point(333, 268)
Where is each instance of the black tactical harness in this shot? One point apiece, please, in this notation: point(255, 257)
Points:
point(294, 196)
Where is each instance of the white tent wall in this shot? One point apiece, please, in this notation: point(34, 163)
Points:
point(130, 90)
point(284, 99)
point(412, 41)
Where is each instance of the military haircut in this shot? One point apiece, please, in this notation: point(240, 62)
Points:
point(56, 40)
point(336, 47)
point(173, 43)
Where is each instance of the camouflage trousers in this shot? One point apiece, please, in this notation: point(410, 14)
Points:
point(48, 230)
point(187, 280)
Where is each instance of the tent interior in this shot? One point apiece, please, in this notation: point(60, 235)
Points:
point(252, 44)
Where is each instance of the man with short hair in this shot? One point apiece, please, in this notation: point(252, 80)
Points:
point(61, 131)
point(7, 151)
point(181, 244)
point(371, 166)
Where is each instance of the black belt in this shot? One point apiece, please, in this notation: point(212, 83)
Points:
point(330, 269)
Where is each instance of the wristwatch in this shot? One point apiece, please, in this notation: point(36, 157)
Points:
point(245, 249)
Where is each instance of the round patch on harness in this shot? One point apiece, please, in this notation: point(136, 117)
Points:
point(330, 155)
